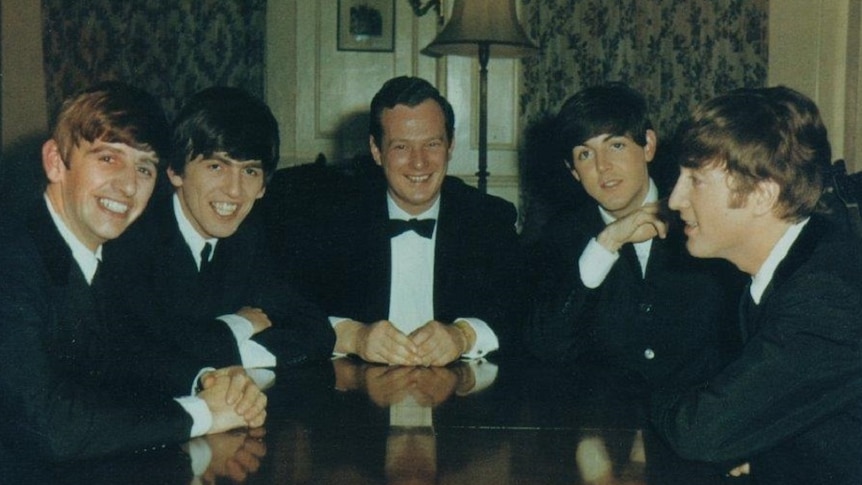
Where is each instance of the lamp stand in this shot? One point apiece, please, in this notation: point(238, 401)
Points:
point(484, 55)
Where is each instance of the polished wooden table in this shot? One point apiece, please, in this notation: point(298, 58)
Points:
point(347, 422)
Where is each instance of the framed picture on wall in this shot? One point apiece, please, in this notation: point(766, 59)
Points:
point(366, 25)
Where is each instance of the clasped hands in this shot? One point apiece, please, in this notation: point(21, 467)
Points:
point(432, 344)
point(233, 398)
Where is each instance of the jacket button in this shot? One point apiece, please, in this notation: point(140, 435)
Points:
point(649, 354)
point(646, 308)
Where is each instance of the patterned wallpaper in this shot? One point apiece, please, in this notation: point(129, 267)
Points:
point(676, 52)
point(171, 48)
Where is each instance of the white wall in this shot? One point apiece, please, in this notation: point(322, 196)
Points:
point(321, 95)
point(814, 47)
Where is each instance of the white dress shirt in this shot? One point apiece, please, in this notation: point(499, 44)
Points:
point(411, 294)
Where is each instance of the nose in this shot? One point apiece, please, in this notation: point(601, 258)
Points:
point(602, 162)
point(233, 183)
point(127, 180)
point(679, 196)
point(417, 159)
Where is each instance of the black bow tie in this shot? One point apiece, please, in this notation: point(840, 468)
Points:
point(424, 227)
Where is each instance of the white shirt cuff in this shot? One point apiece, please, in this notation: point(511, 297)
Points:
point(595, 263)
point(484, 372)
point(195, 386)
point(486, 339)
point(202, 418)
point(241, 328)
point(200, 455)
point(251, 353)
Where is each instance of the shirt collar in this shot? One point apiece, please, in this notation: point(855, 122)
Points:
point(87, 260)
point(191, 236)
point(764, 275)
point(652, 196)
point(396, 212)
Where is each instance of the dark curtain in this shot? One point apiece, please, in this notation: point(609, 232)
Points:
point(171, 48)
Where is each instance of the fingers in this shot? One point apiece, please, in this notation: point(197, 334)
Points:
point(437, 344)
point(382, 342)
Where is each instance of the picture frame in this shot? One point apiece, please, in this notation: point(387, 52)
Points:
point(366, 25)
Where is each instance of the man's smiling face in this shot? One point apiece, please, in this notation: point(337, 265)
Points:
point(217, 193)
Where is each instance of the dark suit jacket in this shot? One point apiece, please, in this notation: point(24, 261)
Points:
point(62, 392)
point(347, 268)
point(665, 327)
point(792, 402)
point(163, 293)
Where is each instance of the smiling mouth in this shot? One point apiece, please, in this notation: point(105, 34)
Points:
point(611, 183)
point(114, 206)
point(418, 179)
point(224, 209)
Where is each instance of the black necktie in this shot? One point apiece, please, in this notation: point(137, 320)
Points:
point(424, 227)
point(205, 256)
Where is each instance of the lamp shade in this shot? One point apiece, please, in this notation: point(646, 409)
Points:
point(475, 22)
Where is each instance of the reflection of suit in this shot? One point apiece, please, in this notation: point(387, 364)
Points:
point(168, 295)
point(475, 262)
point(62, 390)
point(793, 398)
point(664, 325)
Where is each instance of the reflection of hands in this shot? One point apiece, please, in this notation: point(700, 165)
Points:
point(744, 469)
point(439, 344)
point(234, 455)
point(259, 320)
point(641, 225)
point(233, 399)
point(389, 385)
point(435, 385)
point(378, 342)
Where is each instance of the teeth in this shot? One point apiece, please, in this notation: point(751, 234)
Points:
point(114, 206)
point(224, 208)
point(418, 179)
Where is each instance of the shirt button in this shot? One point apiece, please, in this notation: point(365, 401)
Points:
point(649, 354)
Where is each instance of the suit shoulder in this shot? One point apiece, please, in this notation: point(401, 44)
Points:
point(473, 201)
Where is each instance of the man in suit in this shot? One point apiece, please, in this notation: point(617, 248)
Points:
point(432, 290)
point(791, 403)
point(65, 390)
point(199, 266)
point(616, 289)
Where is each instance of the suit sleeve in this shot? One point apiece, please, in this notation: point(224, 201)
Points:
point(803, 366)
point(48, 411)
point(558, 300)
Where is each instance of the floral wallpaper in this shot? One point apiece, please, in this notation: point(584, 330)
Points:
point(676, 52)
point(171, 48)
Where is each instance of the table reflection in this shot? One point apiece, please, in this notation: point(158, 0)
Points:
point(350, 422)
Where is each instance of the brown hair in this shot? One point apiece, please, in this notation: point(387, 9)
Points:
point(113, 112)
point(761, 134)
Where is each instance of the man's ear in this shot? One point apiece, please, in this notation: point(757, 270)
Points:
point(176, 179)
point(651, 145)
point(573, 171)
point(52, 161)
point(375, 151)
point(764, 197)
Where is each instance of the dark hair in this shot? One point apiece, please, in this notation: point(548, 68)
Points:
point(113, 112)
point(761, 134)
point(612, 108)
point(409, 91)
point(225, 119)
